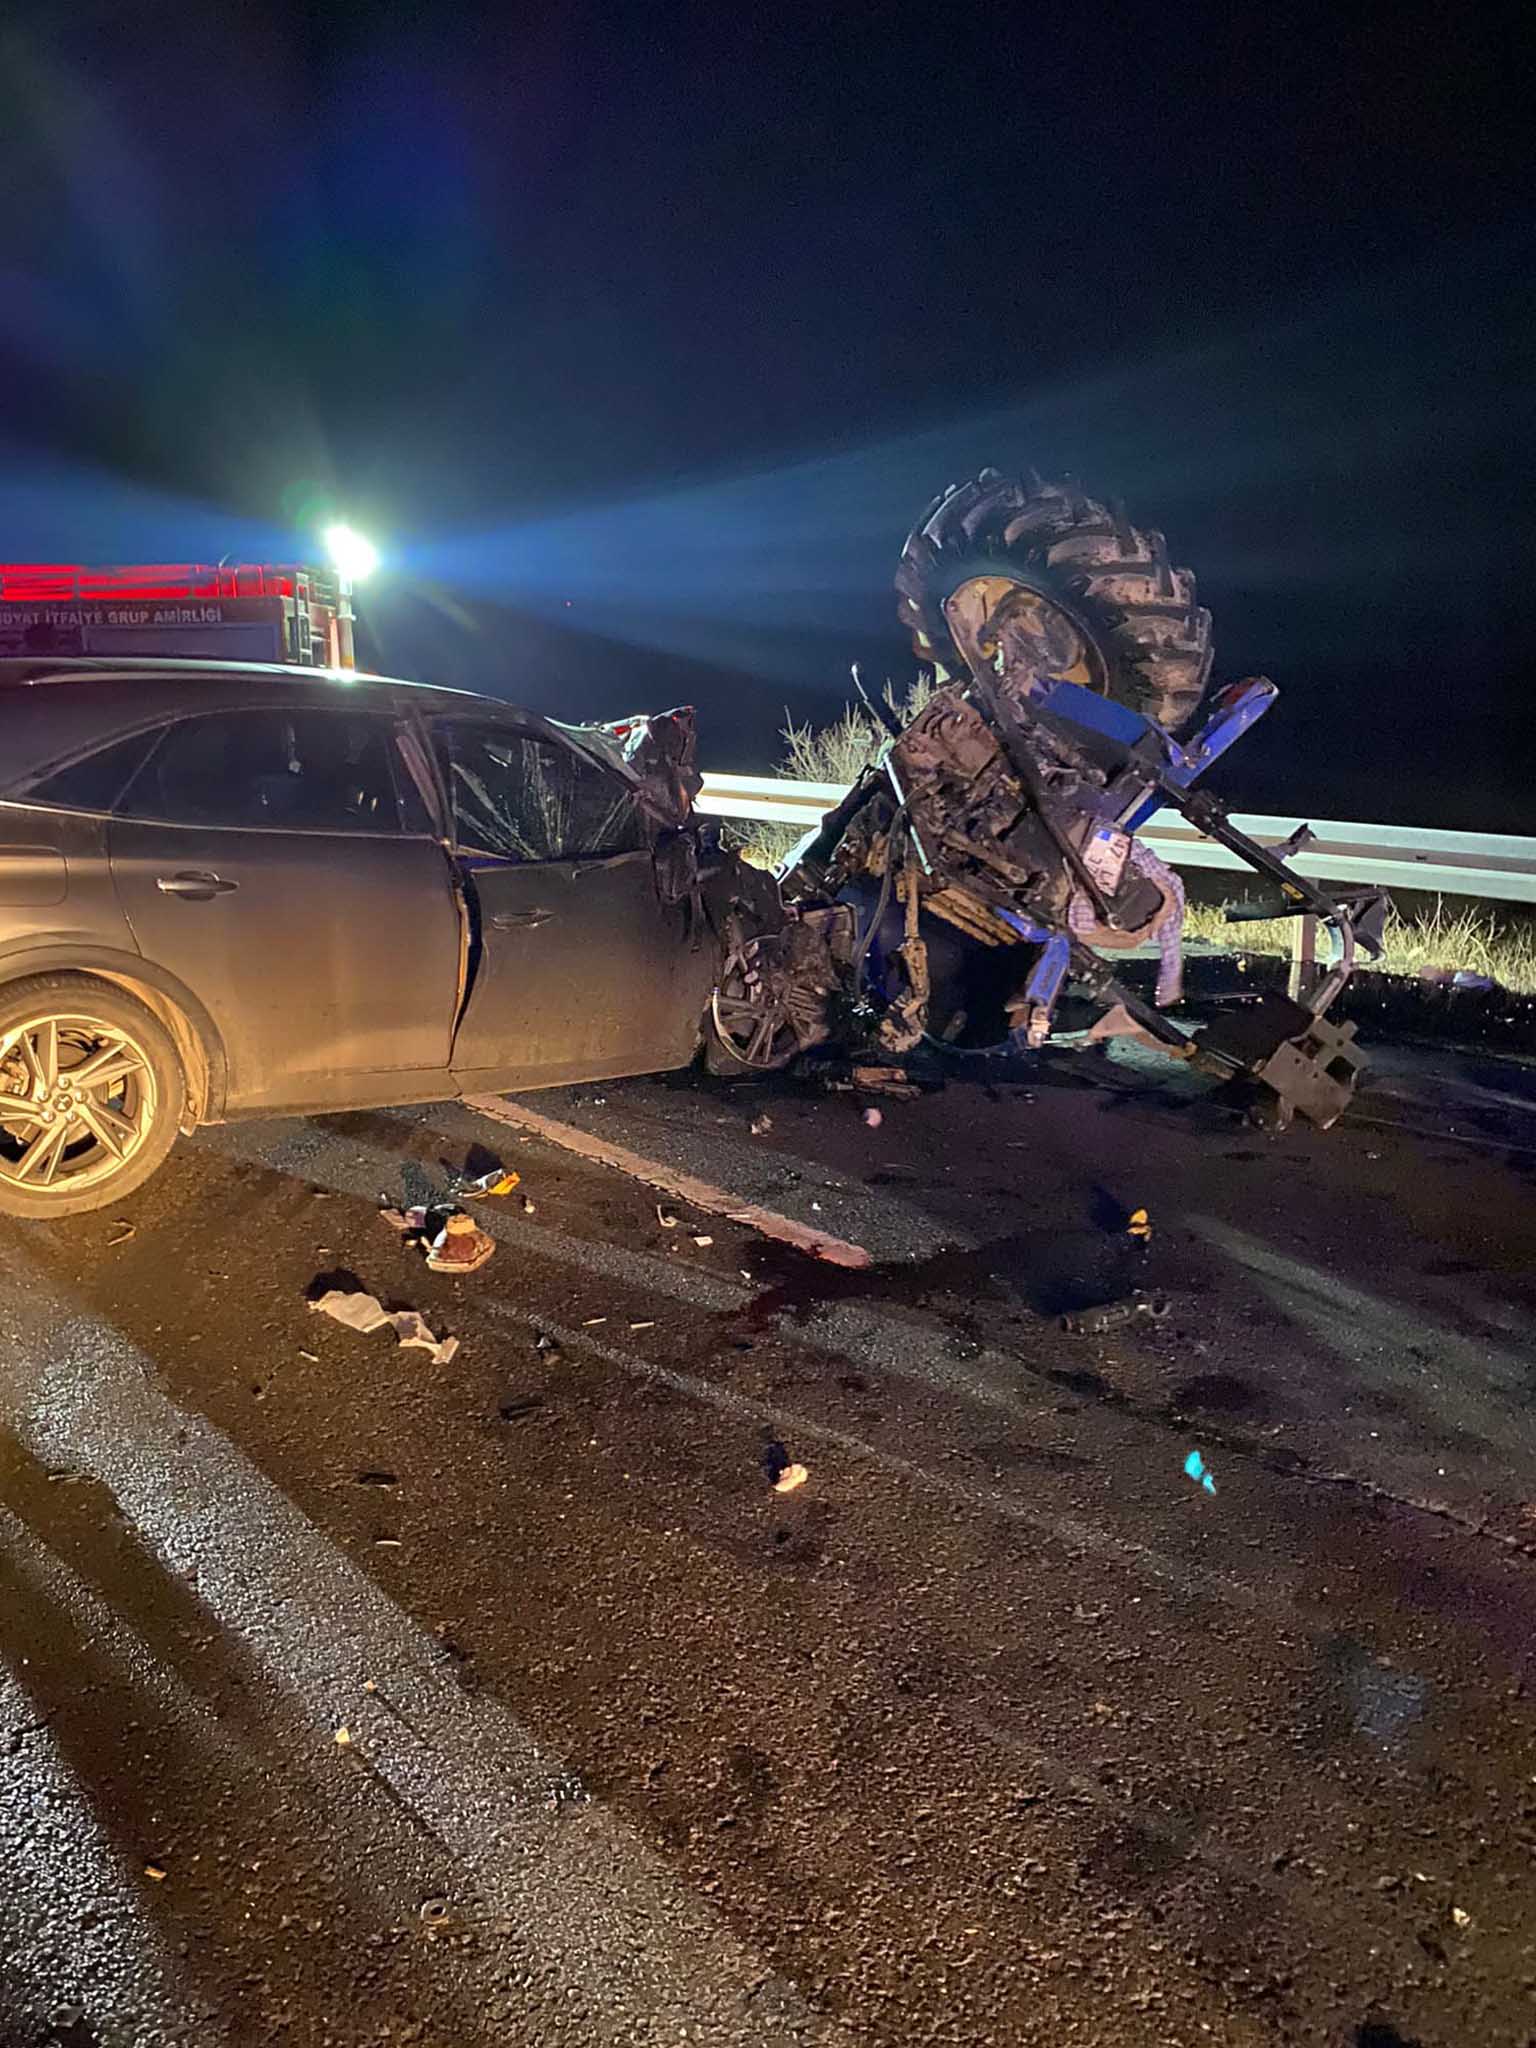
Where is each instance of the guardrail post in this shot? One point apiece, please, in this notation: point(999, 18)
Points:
point(1303, 958)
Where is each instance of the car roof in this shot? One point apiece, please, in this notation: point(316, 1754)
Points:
point(26, 670)
point(54, 708)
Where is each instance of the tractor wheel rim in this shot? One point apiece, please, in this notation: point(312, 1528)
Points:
point(77, 1102)
point(1064, 647)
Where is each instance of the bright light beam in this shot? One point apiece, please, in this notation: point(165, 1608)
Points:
point(353, 556)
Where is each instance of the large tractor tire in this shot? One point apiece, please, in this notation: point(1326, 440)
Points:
point(1096, 593)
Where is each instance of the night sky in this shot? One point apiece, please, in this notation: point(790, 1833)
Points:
point(638, 336)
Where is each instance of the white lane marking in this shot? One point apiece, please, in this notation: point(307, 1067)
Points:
point(605, 1931)
point(686, 1187)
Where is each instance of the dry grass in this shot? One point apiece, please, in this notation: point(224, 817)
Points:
point(839, 753)
point(1495, 942)
point(1433, 942)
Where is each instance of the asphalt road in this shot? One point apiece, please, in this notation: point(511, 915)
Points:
point(350, 1698)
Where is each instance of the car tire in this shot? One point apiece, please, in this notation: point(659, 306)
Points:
point(114, 1125)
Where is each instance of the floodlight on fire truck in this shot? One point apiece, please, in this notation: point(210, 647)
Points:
point(353, 556)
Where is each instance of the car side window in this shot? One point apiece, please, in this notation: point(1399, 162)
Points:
point(524, 797)
point(95, 782)
point(303, 770)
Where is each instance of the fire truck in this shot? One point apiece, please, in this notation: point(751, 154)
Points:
point(231, 612)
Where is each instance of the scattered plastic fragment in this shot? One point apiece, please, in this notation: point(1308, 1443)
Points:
point(760, 1126)
point(461, 1246)
point(1195, 1468)
point(703, 1242)
point(527, 1206)
point(343, 1736)
point(642, 1326)
point(1461, 1918)
point(665, 1218)
point(783, 1474)
point(591, 1322)
point(873, 1118)
point(365, 1313)
point(310, 1357)
point(124, 1230)
point(1139, 1226)
point(154, 1872)
point(499, 1181)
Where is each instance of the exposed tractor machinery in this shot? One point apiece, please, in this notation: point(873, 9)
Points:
point(989, 860)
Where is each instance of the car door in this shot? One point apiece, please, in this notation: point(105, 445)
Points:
point(262, 857)
point(578, 969)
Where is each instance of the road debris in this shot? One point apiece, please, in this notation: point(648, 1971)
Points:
point(501, 1180)
point(892, 1081)
point(1114, 1315)
point(520, 1409)
point(760, 1126)
point(683, 1187)
point(376, 1479)
point(873, 1118)
point(1461, 1917)
point(452, 1241)
point(365, 1313)
point(1139, 1225)
point(591, 1322)
point(125, 1230)
point(642, 1326)
point(1196, 1468)
point(528, 1209)
point(155, 1872)
point(783, 1474)
point(665, 1218)
point(343, 1737)
point(461, 1246)
point(703, 1242)
point(434, 1912)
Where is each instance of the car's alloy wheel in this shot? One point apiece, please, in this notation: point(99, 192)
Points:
point(751, 1014)
point(79, 1101)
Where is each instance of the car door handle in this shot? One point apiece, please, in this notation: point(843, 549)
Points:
point(520, 920)
point(201, 888)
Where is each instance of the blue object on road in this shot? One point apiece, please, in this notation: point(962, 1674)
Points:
point(1196, 1468)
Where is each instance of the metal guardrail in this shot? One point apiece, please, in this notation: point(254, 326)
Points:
point(1495, 865)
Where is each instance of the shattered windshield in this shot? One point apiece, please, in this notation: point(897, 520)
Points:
point(524, 797)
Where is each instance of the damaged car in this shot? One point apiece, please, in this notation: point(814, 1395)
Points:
point(231, 890)
point(237, 890)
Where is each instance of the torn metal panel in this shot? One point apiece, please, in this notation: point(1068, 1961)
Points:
point(1005, 812)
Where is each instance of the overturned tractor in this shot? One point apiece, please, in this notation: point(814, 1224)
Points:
point(989, 859)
